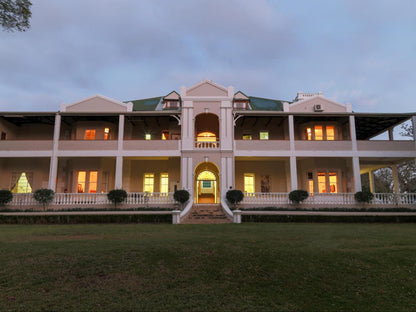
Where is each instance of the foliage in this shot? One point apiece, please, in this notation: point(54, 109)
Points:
point(363, 196)
point(5, 197)
point(181, 196)
point(298, 196)
point(44, 196)
point(234, 196)
point(117, 196)
point(15, 15)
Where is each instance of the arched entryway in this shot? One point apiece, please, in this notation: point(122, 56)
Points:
point(206, 131)
point(206, 183)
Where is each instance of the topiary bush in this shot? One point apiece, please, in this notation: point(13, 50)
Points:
point(298, 196)
point(363, 196)
point(117, 196)
point(44, 196)
point(6, 196)
point(234, 197)
point(181, 196)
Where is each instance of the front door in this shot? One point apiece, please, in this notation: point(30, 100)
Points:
point(206, 186)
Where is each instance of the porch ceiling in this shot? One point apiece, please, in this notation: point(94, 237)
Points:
point(370, 126)
point(19, 120)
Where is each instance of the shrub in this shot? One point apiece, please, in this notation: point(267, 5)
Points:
point(298, 196)
point(234, 196)
point(363, 196)
point(117, 196)
point(181, 196)
point(6, 196)
point(44, 196)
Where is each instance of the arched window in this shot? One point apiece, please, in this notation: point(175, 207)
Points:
point(206, 137)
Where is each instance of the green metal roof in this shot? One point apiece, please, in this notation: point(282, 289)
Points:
point(145, 104)
point(265, 104)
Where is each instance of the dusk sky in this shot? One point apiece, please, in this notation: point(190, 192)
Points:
point(361, 52)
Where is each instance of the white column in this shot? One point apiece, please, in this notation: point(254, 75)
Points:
point(120, 132)
point(291, 133)
point(391, 135)
point(187, 126)
point(53, 166)
point(119, 158)
point(372, 184)
point(293, 173)
point(414, 129)
point(119, 172)
point(353, 133)
point(396, 183)
point(357, 175)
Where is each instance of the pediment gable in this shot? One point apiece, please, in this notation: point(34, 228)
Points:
point(172, 96)
point(240, 96)
point(207, 88)
point(318, 104)
point(97, 103)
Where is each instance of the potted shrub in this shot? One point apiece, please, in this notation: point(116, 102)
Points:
point(44, 197)
point(117, 196)
point(181, 196)
point(6, 196)
point(298, 196)
point(364, 196)
point(234, 197)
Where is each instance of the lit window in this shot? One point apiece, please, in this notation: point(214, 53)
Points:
point(247, 137)
point(249, 183)
point(264, 135)
point(148, 184)
point(333, 182)
point(106, 133)
point(319, 133)
point(22, 185)
point(82, 177)
point(309, 134)
point(90, 134)
point(321, 182)
point(165, 135)
point(206, 137)
point(330, 133)
point(164, 183)
point(93, 181)
point(310, 182)
point(87, 181)
point(206, 184)
point(148, 136)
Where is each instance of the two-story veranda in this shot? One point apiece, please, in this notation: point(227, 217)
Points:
point(206, 139)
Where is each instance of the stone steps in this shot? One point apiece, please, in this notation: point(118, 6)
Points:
point(206, 214)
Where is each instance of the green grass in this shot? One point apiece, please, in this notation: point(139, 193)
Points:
point(246, 267)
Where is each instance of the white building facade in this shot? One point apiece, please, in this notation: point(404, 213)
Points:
point(206, 139)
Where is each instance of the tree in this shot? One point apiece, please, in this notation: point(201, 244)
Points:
point(15, 14)
point(117, 196)
point(298, 196)
point(44, 197)
point(234, 197)
point(181, 196)
point(5, 197)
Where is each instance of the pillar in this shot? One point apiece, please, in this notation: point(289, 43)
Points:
point(396, 182)
point(357, 175)
point(293, 173)
point(119, 172)
point(53, 166)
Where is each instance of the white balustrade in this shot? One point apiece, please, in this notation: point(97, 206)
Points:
point(207, 145)
point(266, 198)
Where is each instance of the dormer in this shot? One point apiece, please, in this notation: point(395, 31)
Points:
point(241, 101)
point(172, 101)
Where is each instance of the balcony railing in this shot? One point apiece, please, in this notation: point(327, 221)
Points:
point(82, 199)
point(213, 145)
point(334, 199)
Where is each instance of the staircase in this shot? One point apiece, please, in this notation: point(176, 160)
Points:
point(206, 214)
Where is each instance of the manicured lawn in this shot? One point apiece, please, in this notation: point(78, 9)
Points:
point(247, 267)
